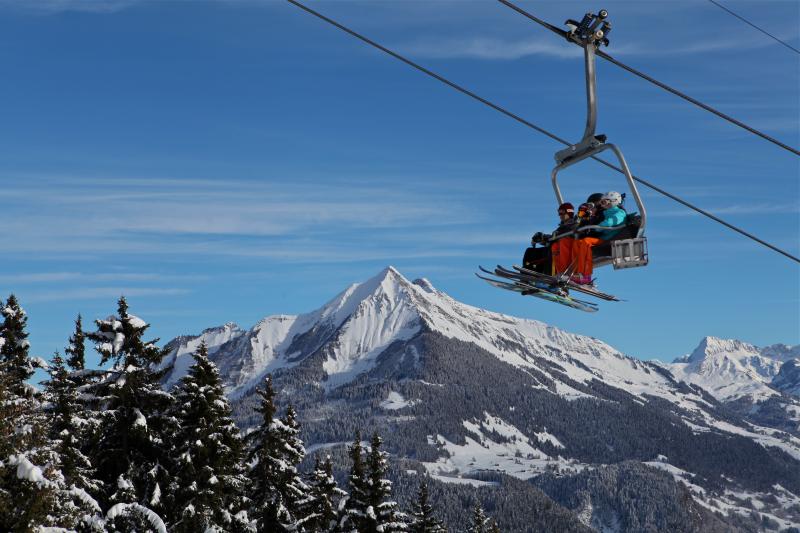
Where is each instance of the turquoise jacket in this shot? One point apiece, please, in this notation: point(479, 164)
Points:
point(613, 216)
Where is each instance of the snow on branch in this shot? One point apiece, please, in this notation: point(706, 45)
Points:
point(125, 509)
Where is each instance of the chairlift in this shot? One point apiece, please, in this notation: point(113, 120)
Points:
point(629, 248)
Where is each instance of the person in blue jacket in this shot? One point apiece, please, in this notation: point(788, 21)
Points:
point(613, 215)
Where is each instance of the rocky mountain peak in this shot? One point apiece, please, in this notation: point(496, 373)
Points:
point(731, 369)
point(710, 347)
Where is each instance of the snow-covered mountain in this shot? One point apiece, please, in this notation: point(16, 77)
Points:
point(732, 369)
point(788, 378)
point(356, 326)
point(461, 391)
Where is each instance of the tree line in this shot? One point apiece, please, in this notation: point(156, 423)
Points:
point(109, 450)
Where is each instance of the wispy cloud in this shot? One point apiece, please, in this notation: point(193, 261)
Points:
point(48, 7)
point(743, 209)
point(499, 48)
point(489, 48)
point(57, 277)
point(99, 293)
point(61, 215)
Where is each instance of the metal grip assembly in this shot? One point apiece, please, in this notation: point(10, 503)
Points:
point(592, 29)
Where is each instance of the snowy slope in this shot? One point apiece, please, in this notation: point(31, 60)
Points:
point(788, 378)
point(732, 369)
point(353, 328)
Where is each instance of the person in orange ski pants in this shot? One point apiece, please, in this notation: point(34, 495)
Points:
point(613, 215)
point(561, 249)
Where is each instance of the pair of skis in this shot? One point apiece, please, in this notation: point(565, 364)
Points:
point(552, 288)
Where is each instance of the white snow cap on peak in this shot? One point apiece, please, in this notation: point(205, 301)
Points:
point(711, 346)
point(426, 285)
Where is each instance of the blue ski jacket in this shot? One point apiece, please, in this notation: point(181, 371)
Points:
point(613, 216)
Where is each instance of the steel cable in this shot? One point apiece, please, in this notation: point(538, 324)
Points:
point(765, 32)
point(654, 81)
point(532, 125)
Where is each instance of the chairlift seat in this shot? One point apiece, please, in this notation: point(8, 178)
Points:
point(625, 250)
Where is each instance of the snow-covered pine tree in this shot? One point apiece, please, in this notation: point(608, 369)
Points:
point(136, 434)
point(354, 510)
point(479, 522)
point(322, 504)
point(33, 493)
point(210, 480)
point(423, 520)
point(295, 489)
point(26, 495)
point(494, 528)
point(276, 450)
point(67, 426)
point(82, 380)
point(14, 347)
point(76, 351)
point(382, 513)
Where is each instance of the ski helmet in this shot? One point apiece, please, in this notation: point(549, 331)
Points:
point(613, 197)
point(594, 198)
point(566, 208)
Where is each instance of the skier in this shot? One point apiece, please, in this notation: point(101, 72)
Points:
point(589, 212)
point(556, 254)
point(561, 247)
point(613, 215)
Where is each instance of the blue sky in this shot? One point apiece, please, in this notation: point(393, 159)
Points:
point(224, 161)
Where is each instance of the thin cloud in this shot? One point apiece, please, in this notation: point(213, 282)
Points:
point(749, 209)
point(293, 223)
point(489, 48)
point(98, 293)
point(51, 7)
point(494, 48)
point(56, 277)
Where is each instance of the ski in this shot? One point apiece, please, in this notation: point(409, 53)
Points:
point(524, 274)
point(539, 284)
point(531, 290)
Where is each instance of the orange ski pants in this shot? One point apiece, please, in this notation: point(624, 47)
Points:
point(582, 252)
point(562, 254)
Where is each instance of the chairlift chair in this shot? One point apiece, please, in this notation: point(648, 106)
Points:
point(629, 248)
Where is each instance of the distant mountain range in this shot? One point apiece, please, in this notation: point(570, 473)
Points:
point(516, 410)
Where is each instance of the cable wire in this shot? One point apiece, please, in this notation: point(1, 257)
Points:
point(765, 32)
point(534, 126)
point(654, 81)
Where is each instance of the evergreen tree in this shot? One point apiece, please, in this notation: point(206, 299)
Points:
point(66, 425)
point(494, 528)
point(276, 450)
point(76, 357)
point(295, 489)
point(355, 507)
point(26, 495)
point(423, 520)
point(14, 347)
point(479, 522)
point(210, 480)
point(382, 512)
point(136, 434)
point(33, 491)
point(321, 507)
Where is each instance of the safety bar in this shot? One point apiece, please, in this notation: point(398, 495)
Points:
point(584, 229)
point(625, 169)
